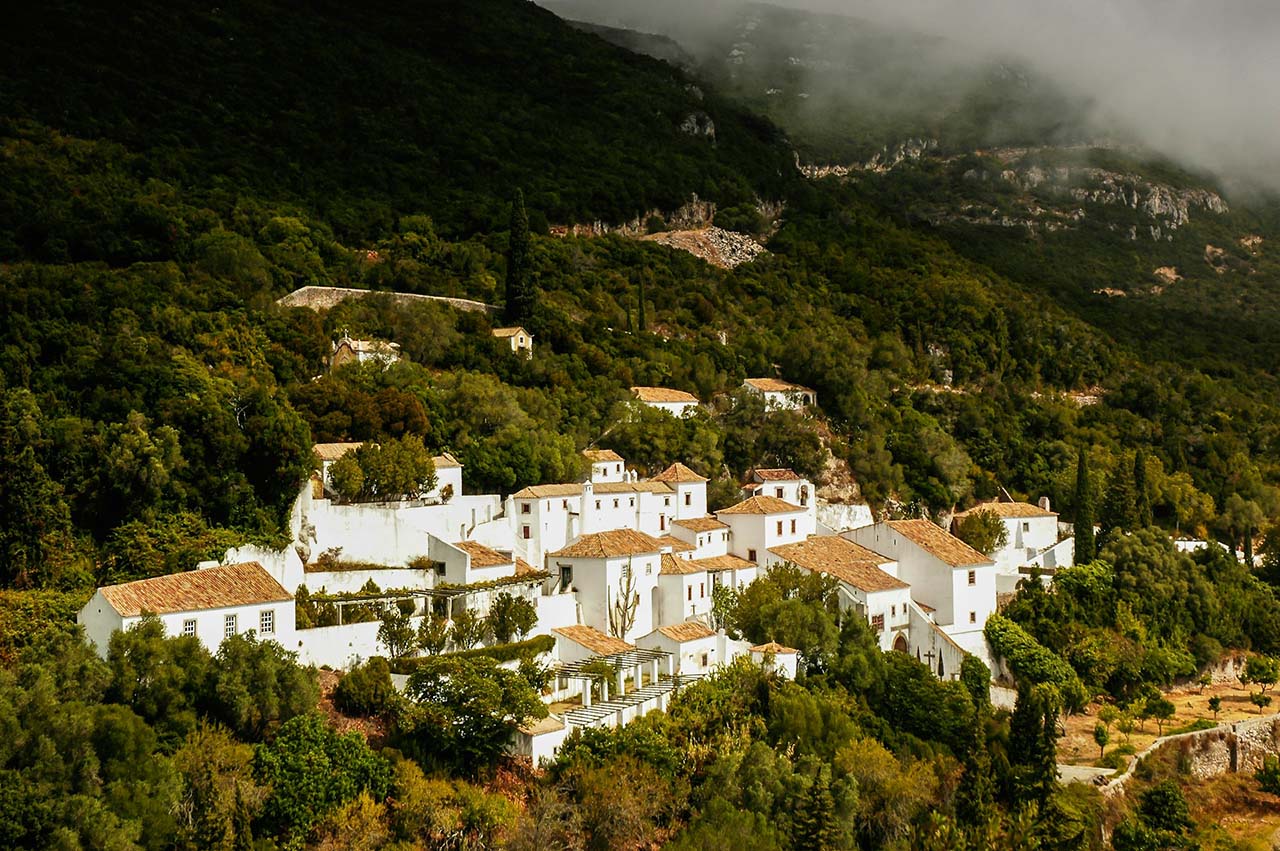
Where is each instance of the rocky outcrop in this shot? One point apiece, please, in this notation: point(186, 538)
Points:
point(700, 125)
point(885, 160)
point(717, 246)
point(323, 298)
point(695, 213)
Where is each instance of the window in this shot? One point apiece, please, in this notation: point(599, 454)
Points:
point(893, 611)
point(877, 623)
point(617, 468)
point(804, 495)
point(648, 568)
point(689, 591)
point(564, 504)
point(228, 626)
point(189, 627)
point(751, 555)
point(524, 530)
point(566, 576)
point(1026, 527)
point(973, 617)
point(266, 622)
point(633, 502)
point(688, 499)
point(706, 659)
point(666, 502)
point(779, 527)
point(702, 589)
point(524, 508)
point(662, 522)
point(973, 577)
point(777, 492)
point(597, 505)
point(793, 527)
point(440, 568)
point(615, 503)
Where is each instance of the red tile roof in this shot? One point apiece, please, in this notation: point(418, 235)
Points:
point(761, 505)
point(482, 556)
point(594, 640)
point(220, 587)
point(938, 542)
point(849, 562)
point(612, 544)
point(678, 473)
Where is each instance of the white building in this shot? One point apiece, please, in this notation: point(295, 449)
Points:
point(707, 535)
point(776, 659)
point(695, 648)
point(347, 351)
point(868, 583)
point(781, 395)
point(520, 340)
point(675, 402)
point(606, 465)
point(690, 490)
point(683, 592)
point(615, 576)
point(947, 576)
point(448, 479)
point(209, 604)
point(327, 453)
point(1031, 539)
point(781, 483)
point(760, 523)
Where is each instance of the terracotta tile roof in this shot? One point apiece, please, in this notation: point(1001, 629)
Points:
point(776, 474)
point(375, 346)
point(523, 568)
point(849, 562)
point(446, 460)
point(678, 473)
point(650, 486)
point(550, 724)
point(677, 545)
point(598, 456)
point(244, 584)
point(926, 608)
point(700, 524)
point(510, 332)
point(482, 556)
point(334, 451)
point(725, 562)
point(662, 394)
point(543, 491)
point(761, 505)
point(937, 541)
point(672, 566)
point(1009, 509)
point(594, 640)
point(775, 648)
point(687, 631)
point(619, 542)
point(773, 385)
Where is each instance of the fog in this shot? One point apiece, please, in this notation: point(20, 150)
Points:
point(1197, 82)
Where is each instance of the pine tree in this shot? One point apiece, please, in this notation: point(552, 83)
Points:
point(641, 320)
point(520, 291)
point(815, 824)
point(1033, 737)
point(1118, 505)
point(1086, 547)
point(1141, 493)
point(975, 805)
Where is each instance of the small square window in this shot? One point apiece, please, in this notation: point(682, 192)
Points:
point(751, 555)
point(524, 508)
point(267, 622)
point(633, 502)
point(648, 568)
point(228, 626)
point(1026, 527)
point(666, 502)
point(702, 589)
point(973, 577)
point(973, 617)
point(777, 492)
point(189, 627)
point(706, 659)
point(564, 504)
point(877, 623)
point(893, 611)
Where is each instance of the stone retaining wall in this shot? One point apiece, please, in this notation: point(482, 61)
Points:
point(1238, 746)
point(323, 298)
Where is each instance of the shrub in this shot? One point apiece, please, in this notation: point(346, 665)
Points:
point(1031, 661)
point(366, 689)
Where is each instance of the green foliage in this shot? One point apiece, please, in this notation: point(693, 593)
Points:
point(975, 676)
point(983, 530)
point(1268, 776)
point(521, 291)
point(792, 607)
point(1033, 663)
point(511, 617)
point(396, 633)
point(366, 689)
point(312, 770)
point(464, 712)
point(164, 680)
point(34, 618)
point(1262, 670)
point(468, 629)
point(399, 468)
point(1082, 525)
point(257, 684)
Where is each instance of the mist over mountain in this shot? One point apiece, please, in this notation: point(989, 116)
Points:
point(1192, 82)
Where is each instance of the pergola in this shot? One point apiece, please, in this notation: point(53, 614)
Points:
point(627, 660)
point(589, 714)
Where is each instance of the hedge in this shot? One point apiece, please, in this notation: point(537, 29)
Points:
point(1032, 662)
point(530, 647)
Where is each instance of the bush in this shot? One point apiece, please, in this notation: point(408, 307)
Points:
point(527, 649)
point(1115, 759)
point(366, 689)
point(1031, 661)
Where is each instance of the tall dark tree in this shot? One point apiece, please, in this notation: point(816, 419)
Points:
point(1086, 547)
point(1118, 508)
point(641, 320)
point(1033, 735)
point(1141, 492)
point(520, 291)
point(815, 825)
point(33, 515)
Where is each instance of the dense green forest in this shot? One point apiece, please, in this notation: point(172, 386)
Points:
point(166, 181)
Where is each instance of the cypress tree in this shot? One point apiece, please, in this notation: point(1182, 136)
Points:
point(815, 825)
point(520, 291)
point(1118, 506)
point(641, 320)
point(1086, 547)
point(1141, 493)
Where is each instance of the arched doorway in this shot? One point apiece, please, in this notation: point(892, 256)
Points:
point(900, 643)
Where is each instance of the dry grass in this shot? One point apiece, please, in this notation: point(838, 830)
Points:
point(1078, 748)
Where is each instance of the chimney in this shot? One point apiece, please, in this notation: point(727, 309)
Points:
point(1044, 503)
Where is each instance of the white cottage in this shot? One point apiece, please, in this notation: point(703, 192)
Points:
point(695, 648)
point(684, 590)
point(615, 574)
point(868, 583)
point(347, 351)
point(946, 575)
point(1031, 539)
point(675, 402)
point(209, 604)
point(520, 340)
point(781, 395)
point(606, 465)
point(760, 523)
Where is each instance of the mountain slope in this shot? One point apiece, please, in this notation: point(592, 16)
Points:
point(369, 111)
